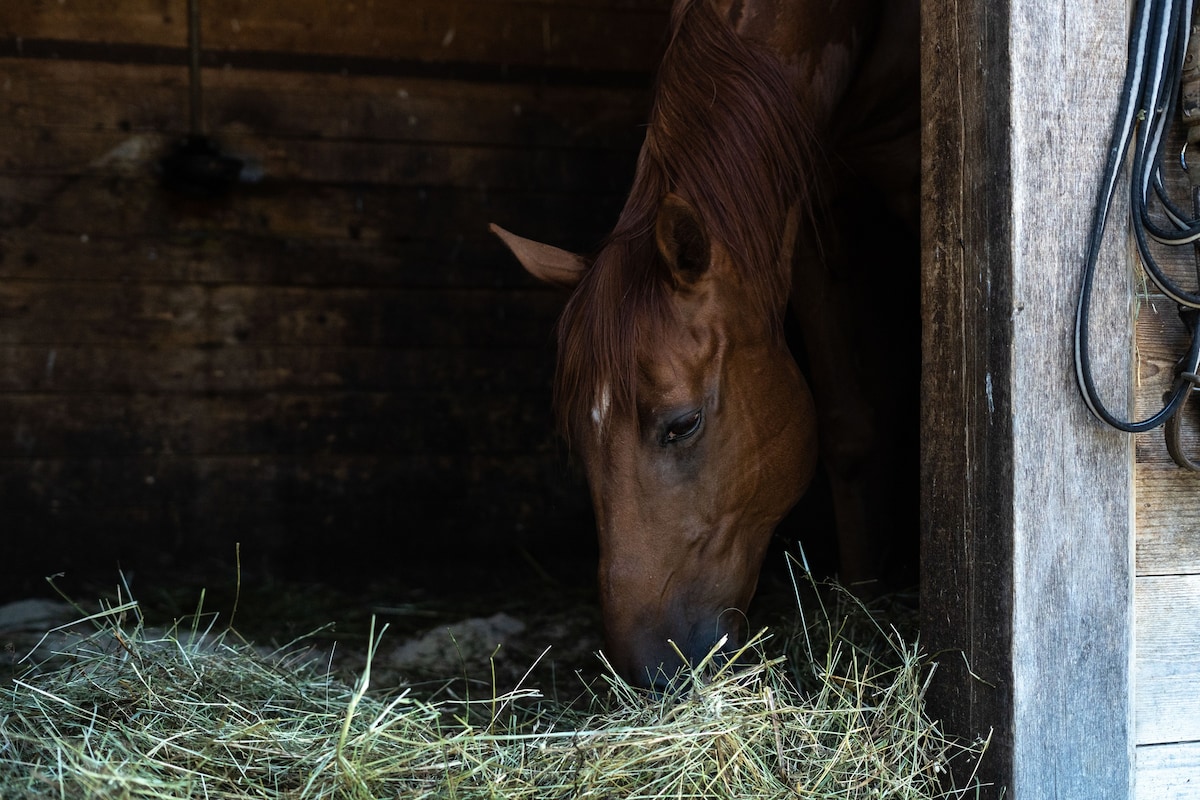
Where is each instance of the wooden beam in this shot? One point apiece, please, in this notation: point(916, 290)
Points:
point(1026, 540)
point(502, 32)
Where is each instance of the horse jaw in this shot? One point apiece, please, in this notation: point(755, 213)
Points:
point(545, 262)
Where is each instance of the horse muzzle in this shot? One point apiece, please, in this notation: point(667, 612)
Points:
point(667, 664)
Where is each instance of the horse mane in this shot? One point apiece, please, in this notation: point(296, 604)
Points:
point(727, 132)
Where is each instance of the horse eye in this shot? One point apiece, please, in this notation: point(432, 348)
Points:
point(682, 428)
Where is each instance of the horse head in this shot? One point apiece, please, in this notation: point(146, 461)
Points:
point(675, 385)
point(697, 437)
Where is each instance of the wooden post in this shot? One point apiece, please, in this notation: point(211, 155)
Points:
point(1027, 501)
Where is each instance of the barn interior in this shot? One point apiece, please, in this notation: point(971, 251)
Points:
point(257, 338)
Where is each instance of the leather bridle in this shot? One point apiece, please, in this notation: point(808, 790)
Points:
point(1159, 56)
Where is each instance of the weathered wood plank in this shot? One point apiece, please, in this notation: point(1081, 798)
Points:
point(148, 98)
point(1168, 498)
point(1026, 552)
point(65, 152)
point(1074, 546)
point(299, 424)
point(65, 313)
point(466, 258)
point(137, 209)
point(1161, 342)
point(558, 34)
point(965, 561)
point(1168, 772)
point(1168, 519)
point(1160, 334)
point(1167, 655)
point(187, 315)
point(132, 369)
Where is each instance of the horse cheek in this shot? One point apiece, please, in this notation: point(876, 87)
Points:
point(798, 441)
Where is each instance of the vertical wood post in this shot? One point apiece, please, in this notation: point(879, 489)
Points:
point(1027, 502)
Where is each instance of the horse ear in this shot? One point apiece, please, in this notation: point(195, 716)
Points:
point(681, 239)
point(543, 261)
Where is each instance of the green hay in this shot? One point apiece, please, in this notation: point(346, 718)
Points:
point(126, 713)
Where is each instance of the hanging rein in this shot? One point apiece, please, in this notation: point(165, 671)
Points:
point(1162, 75)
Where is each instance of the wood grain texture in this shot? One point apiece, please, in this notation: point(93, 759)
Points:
point(462, 255)
point(1168, 520)
point(74, 152)
point(77, 369)
point(1168, 772)
point(128, 98)
point(131, 207)
point(1027, 553)
point(1074, 547)
point(556, 33)
point(1167, 647)
point(189, 316)
point(1168, 659)
point(966, 559)
point(1161, 341)
point(1168, 498)
point(337, 347)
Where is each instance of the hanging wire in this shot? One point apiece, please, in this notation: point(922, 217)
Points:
point(1157, 48)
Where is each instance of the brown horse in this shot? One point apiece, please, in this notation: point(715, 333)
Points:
point(675, 383)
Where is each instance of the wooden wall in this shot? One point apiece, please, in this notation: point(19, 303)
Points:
point(1167, 548)
point(1062, 557)
point(1027, 556)
point(336, 360)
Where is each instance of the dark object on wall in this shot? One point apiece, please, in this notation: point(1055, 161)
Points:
point(197, 166)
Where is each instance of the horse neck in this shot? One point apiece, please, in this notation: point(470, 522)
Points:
point(821, 43)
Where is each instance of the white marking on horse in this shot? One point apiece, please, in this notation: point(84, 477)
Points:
point(602, 408)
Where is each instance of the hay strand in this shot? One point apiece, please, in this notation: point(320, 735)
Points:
point(127, 712)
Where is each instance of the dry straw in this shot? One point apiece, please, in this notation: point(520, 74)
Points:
point(126, 713)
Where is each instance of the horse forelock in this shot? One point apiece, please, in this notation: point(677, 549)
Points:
point(727, 133)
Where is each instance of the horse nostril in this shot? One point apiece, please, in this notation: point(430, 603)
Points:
point(666, 669)
point(658, 671)
point(715, 649)
point(671, 686)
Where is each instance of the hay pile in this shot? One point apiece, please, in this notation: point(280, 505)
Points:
point(124, 712)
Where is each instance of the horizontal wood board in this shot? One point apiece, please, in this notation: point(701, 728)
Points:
point(1168, 659)
point(593, 34)
point(1168, 772)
